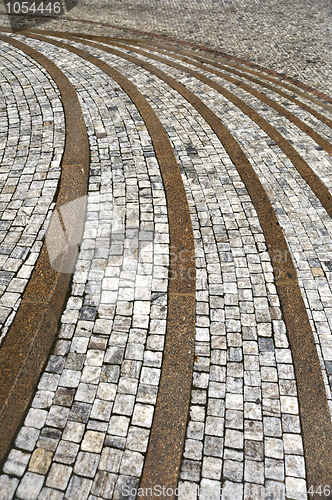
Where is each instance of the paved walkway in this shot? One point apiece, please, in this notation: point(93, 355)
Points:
point(187, 193)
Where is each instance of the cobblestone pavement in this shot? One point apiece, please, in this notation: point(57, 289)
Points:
point(87, 430)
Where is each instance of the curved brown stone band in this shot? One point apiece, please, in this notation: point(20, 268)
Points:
point(317, 186)
point(313, 405)
point(244, 66)
point(314, 410)
point(262, 80)
point(27, 345)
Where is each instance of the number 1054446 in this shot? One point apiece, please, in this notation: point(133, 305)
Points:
point(33, 8)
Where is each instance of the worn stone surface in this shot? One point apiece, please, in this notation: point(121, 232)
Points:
point(86, 434)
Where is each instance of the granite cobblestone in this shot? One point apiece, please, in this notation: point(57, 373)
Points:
point(226, 400)
point(30, 169)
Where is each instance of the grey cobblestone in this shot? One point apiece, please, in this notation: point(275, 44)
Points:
point(271, 33)
point(33, 123)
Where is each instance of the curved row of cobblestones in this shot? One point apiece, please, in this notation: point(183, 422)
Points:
point(87, 431)
point(30, 170)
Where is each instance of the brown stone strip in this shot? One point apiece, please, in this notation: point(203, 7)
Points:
point(28, 342)
point(280, 109)
point(163, 459)
point(204, 48)
point(314, 411)
point(314, 182)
